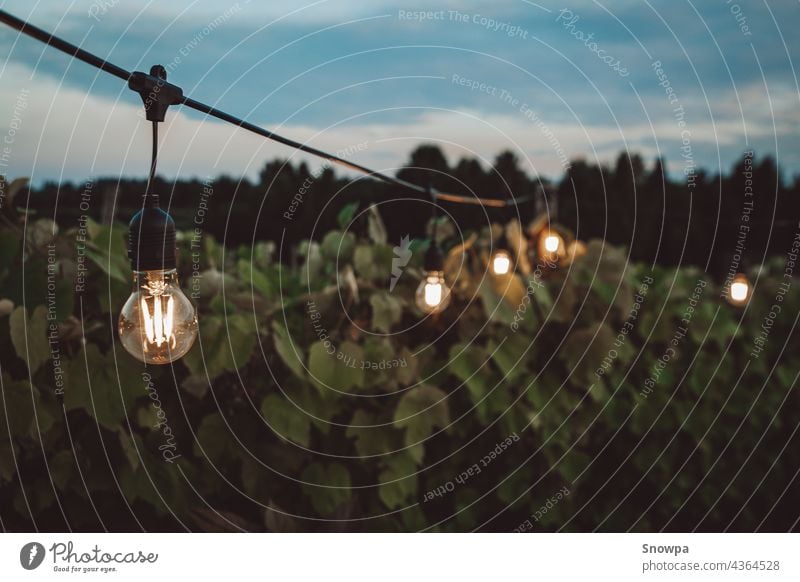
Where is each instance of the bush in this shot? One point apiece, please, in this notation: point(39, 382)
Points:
point(598, 395)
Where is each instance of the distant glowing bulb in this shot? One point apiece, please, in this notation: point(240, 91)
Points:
point(158, 323)
point(501, 263)
point(551, 243)
point(739, 291)
point(433, 295)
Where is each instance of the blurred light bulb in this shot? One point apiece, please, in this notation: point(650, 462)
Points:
point(158, 323)
point(433, 295)
point(501, 263)
point(551, 243)
point(739, 291)
point(550, 246)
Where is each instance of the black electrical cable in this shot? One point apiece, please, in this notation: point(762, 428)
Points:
point(62, 45)
point(153, 160)
point(434, 215)
point(95, 61)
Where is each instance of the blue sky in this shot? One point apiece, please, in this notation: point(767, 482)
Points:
point(551, 81)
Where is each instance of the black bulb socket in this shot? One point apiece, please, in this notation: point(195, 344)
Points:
point(151, 239)
point(434, 258)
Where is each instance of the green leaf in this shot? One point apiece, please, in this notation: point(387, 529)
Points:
point(225, 345)
point(468, 364)
point(510, 355)
point(419, 411)
point(363, 263)
point(10, 244)
point(373, 262)
point(214, 440)
point(291, 353)
point(107, 250)
point(129, 448)
point(572, 464)
point(337, 369)
point(29, 336)
point(17, 408)
point(7, 467)
point(584, 351)
point(398, 482)
point(387, 311)
point(338, 246)
point(376, 230)
point(495, 305)
point(251, 276)
point(345, 216)
point(287, 419)
point(105, 388)
point(310, 271)
point(378, 439)
point(328, 487)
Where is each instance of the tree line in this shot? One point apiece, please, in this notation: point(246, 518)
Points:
point(749, 209)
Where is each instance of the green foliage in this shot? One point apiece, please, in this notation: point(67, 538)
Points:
point(315, 392)
point(29, 336)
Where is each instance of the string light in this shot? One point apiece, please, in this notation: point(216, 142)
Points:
point(551, 246)
point(740, 290)
point(158, 323)
point(501, 262)
point(551, 243)
point(433, 294)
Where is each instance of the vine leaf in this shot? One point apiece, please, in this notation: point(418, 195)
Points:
point(286, 419)
point(289, 352)
point(328, 487)
point(29, 336)
point(105, 386)
point(336, 369)
point(224, 345)
point(398, 482)
point(386, 311)
point(19, 401)
point(375, 227)
point(419, 411)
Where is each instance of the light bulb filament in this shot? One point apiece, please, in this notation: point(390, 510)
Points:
point(159, 326)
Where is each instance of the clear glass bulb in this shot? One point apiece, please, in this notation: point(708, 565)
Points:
point(433, 295)
point(501, 263)
point(739, 292)
point(158, 323)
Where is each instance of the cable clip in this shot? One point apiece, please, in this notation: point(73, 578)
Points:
point(157, 95)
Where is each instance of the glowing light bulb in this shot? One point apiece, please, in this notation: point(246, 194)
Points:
point(739, 291)
point(501, 263)
point(433, 295)
point(158, 323)
point(550, 246)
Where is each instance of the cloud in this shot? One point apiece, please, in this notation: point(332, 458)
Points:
point(66, 133)
point(341, 85)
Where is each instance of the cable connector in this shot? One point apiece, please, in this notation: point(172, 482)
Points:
point(157, 95)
